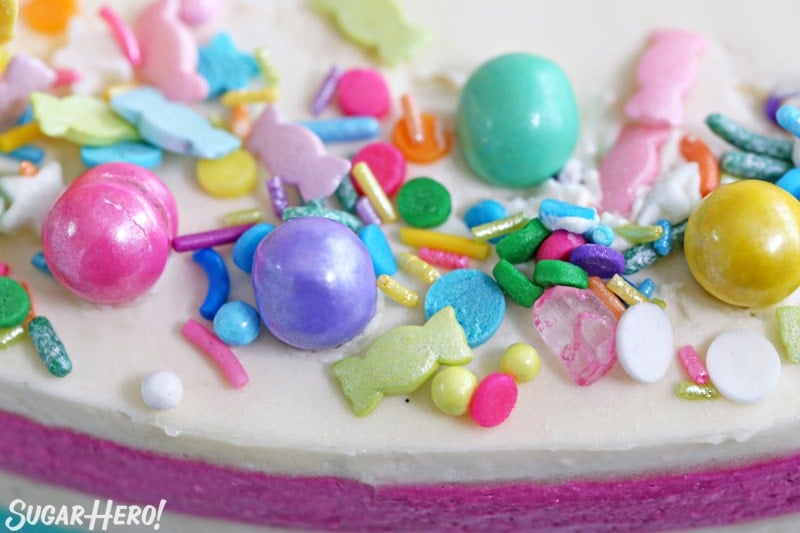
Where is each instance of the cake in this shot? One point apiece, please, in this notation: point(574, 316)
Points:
point(286, 450)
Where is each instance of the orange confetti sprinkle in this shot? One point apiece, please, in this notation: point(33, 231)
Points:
point(435, 144)
point(49, 16)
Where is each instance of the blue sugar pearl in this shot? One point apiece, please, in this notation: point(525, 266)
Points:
point(379, 250)
point(237, 323)
point(137, 153)
point(345, 129)
point(476, 298)
point(601, 234)
point(483, 212)
point(663, 245)
point(790, 182)
point(247, 243)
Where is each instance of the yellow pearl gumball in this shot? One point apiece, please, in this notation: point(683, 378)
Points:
point(521, 361)
point(230, 176)
point(742, 243)
point(452, 388)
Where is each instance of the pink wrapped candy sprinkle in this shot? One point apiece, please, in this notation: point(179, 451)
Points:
point(108, 235)
point(580, 329)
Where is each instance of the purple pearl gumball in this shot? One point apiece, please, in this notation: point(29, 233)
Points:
point(314, 283)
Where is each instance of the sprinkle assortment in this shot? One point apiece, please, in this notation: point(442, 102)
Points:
point(572, 250)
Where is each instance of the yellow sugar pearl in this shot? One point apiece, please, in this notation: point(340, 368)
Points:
point(230, 176)
point(521, 361)
point(742, 243)
point(452, 388)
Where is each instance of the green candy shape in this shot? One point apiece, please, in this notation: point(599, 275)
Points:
point(517, 120)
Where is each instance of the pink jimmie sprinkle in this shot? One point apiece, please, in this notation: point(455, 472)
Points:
point(4, 269)
point(123, 34)
point(66, 76)
point(218, 351)
point(208, 239)
point(443, 259)
point(693, 365)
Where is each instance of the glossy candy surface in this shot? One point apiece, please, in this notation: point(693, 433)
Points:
point(108, 235)
point(517, 120)
point(314, 283)
point(743, 244)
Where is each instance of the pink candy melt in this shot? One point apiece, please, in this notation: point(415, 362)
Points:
point(666, 73)
point(227, 361)
point(632, 163)
point(169, 52)
point(558, 245)
point(363, 91)
point(296, 155)
point(386, 162)
point(493, 400)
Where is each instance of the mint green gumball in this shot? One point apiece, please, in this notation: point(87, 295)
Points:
point(517, 120)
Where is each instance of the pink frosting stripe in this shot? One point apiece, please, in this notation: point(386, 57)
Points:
point(109, 470)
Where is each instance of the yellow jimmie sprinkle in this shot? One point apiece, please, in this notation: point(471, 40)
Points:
point(251, 215)
point(417, 267)
point(626, 292)
point(397, 292)
point(265, 95)
point(418, 238)
point(265, 64)
point(374, 192)
point(12, 139)
point(500, 227)
point(639, 234)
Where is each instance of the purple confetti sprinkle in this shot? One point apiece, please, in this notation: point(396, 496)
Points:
point(598, 260)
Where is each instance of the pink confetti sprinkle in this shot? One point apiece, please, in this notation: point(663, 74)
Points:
point(208, 239)
point(227, 361)
point(693, 365)
point(443, 259)
point(123, 34)
point(493, 400)
point(559, 245)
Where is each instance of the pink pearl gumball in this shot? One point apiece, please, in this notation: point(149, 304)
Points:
point(108, 235)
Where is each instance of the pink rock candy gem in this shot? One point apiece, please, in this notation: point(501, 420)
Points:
point(580, 329)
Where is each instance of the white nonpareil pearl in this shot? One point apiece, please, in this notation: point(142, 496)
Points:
point(162, 390)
